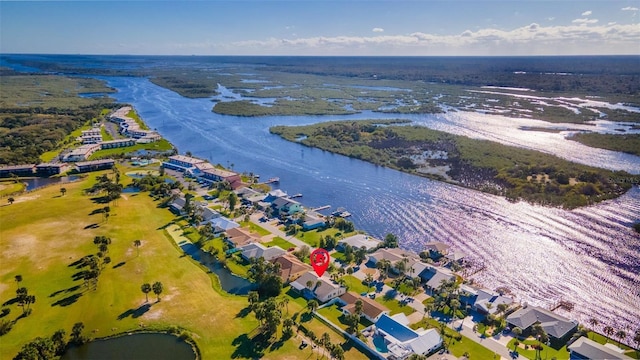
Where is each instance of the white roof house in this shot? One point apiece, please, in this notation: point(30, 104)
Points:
point(359, 240)
point(403, 341)
point(257, 250)
point(585, 348)
point(324, 292)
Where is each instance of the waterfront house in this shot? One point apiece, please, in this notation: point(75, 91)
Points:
point(482, 300)
point(181, 163)
point(358, 241)
point(401, 341)
point(214, 174)
point(321, 288)
point(286, 206)
point(434, 277)
point(48, 169)
point(556, 326)
point(17, 170)
point(436, 250)
point(585, 348)
point(291, 268)
point(95, 165)
point(312, 222)
point(273, 195)
point(257, 250)
point(371, 309)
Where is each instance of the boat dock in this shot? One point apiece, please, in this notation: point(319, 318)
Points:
point(321, 208)
point(341, 212)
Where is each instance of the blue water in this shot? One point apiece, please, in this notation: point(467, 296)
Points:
point(588, 256)
point(380, 344)
point(35, 183)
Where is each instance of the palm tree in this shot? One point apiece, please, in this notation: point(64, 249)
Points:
point(18, 279)
point(517, 331)
point(157, 289)
point(146, 289)
point(593, 322)
point(63, 191)
point(621, 335)
point(285, 302)
point(312, 305)
point(137, 244)
point(325, 341)
point(368, 279)
point(608, 330)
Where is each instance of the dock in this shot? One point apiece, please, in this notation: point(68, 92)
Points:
point(272, 180)
point(321, 208)
point(341, 212)
point(295, 196)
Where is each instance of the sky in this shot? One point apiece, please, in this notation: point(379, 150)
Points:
point(317, 27)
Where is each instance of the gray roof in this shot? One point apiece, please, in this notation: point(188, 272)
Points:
point(590, 349)
point(435, 276)
point(553, 324)
point(486, 297)
point(256, 250)
point(436, 246)
point(426, 342)
point(360, 240)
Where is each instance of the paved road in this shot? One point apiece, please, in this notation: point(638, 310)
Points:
point(272, 227)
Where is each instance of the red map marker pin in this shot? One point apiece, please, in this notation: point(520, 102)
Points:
point(320, 260)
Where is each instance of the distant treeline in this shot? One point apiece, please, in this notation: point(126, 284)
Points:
point(577, 74)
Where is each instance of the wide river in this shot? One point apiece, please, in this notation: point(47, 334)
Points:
point(588, 256)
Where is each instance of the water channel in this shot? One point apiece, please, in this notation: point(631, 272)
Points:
point(140, 346)
point(588, 256)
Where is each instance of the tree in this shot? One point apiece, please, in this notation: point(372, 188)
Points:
point(636, 339)
point(312, 305)
point(253, 298)
point(287, 324)
point(63, 191)
point(76, 333)
point(157, 289)
point(609, 331)
point(517, 331)
point(325, 341)
point(18, 279)
point(59, 341)
point(593, 322)
point(11, 200)
point(368, 279)
point(146, 289)
point(621, 335)
point(267, 275)
point(515, 345)
point(137, 244)
point(390, 241)
point(233, 200)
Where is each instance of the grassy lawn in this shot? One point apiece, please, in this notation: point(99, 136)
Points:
point(312, 237)
point(106, 136)
point(354, 284)
point(278, 241)
point(334, 314)
point(599, 338)
point(395, 306)
point(10, 187)
point(456, 347)
point(255, 228)
point(160, 145)
point(44, 233)
point(547, 351)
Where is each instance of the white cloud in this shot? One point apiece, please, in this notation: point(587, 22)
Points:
point(581, 37)
point(629, 8)
point(378, 30)
point(551, 18)
point(587, 13)
point(585, 21)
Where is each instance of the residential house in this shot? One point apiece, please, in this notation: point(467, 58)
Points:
point(358, 241)
point(92, 136)
point(483, 300)
point(178, 204)
point(402, 341)
point(286, 206)
point(413, 265)
point(257, 250)
point(436, 249)
point(585, 349)
point(222, 224)
point(312, 222)
point(434, 276)
point(95, 165)
point(273, 195)
point(17, 170)
point(291, 268)
point(556, 326)
point(371, 309)
point(48, 169)
point(238, 237)
point(320, 288)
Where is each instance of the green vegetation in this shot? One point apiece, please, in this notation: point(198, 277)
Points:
point(11, 187)
point(278, 241)
point(134, 115)
point(45, 235)
point(280, 107)
point(530, 352)
point(516, 173)
point(457, 344)
point(312, 237)
point(255, 228)
point(335, 315)
point(395, 306)
point(354, 284)
point(629, 143)
point(38, 112)
point(161, 145)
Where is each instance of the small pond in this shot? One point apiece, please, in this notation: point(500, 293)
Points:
point(141, 346)
point(35, 183)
